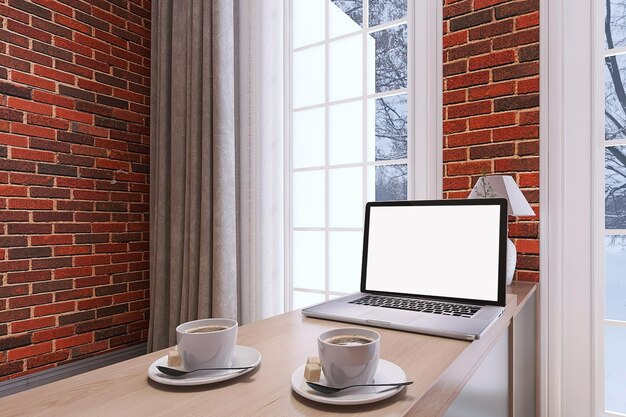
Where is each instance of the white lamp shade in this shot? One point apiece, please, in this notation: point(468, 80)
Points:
point(503, 186)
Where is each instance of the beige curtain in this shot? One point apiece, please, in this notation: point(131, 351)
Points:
point(209, 210)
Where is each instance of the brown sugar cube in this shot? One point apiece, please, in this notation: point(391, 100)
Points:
point(313, 359)
point(174, 358)
point(312, 372)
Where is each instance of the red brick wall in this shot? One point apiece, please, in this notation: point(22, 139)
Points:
point(491, 106)
point(74, 154)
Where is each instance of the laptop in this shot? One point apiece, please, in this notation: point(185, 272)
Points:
point(429, 266)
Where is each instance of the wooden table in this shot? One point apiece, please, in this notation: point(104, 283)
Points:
point(440, 367)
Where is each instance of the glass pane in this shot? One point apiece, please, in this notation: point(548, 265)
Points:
point(308, 138)
point(615, 31)
point(387, 118)
point(305, 299)
point(345, 252)
point(345, 140)
point(390, 58)
point(615, 187)
point(614, 97)
point(308, 22)
point(344, 16)
point(381, 11)
point(614, 369)
point(388, 182)
point(308, 77)
point(345, 72)
point(615, 278)
point(308, 260)
point(346, 197)
point(308, 199)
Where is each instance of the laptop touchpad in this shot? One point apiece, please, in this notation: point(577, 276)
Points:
point(390, 315)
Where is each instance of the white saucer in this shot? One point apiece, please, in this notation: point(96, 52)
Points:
point(242, 356)
point(387, 372)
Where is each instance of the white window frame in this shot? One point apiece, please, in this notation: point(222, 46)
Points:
point(424, 152)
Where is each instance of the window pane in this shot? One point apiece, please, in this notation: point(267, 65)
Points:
point(308, 199)
point(615, 278)
point(614, 97)
point(615, 187)
point(308, 22)
point(308, 138)
point(304, 299)
point(389, 141)
point(346, 197)
point(308, 260)
point(390, 58)
point(615, 33)
point(345, 252)
point(390, 182)
point(345, 72)
point(614, 369)
point(381, 11)
point(344, 16)
point(308, 77)
point(345, 140)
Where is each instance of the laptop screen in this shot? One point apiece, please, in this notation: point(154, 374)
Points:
point(448, 249)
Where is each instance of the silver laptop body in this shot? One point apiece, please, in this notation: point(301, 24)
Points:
point(446, 258)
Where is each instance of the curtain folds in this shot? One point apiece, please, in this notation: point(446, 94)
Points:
point(207, 169)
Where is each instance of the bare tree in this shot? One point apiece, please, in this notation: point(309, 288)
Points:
point(615, 127)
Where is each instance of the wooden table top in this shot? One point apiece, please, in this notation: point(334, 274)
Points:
point(439, 366)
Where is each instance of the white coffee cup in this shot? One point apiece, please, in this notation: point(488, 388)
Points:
point(206, 343)
point(349, 361)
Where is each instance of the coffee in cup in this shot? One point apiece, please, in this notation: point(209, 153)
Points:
point(206, 343)
point(349, 356)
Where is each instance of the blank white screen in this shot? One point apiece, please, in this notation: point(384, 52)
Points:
point(444, 251)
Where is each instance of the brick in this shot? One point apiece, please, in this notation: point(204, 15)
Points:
point(111, 332)
point(54, 74)
point(28, 351)
point(31, 8)
point(55, 99)
point(12, 191)
point(50, 334)
point(491, 30)
point(73, 294)
point(56, 216)
point(528, 86)
point(10, 62)
point(456, 183)
point(55, 123)
point(11, 89)
point(125, 339)
point(50, 309)
point(517, 164)
point(515, 71)
point(52, 286)
point(91, 21)
point(95, 303)
point(467, 80)
point(47, 49)
point(8, 316)
point(29, 130)
point(49, 192)
point(31, 204)
point(88, 349)
point(77, 93)
point(528, 148)
point(516, 133)
point(468, 167)
point(55, 169)
point(30, 276)
point(7, 291)
point(452, 68)
point(112, 310)
point(77, 317)
point(516, 8)
point(75, 160)
point(32, 81)
point(524, 37)
point(12, 342)
point(492, 120)
point(11, 368)
point(13, 38)
point(51, 28)
point(516, 102)
point(29, 300)
point(79, 339)
point(32, 324)
point(49, 358)
point(72, 272)
point(89, 326)
point(111, 289)
point(492, 60)
point(29, 228)
point(529, 117)
point(72, 250)
point(492, 151)
point(28, 154)
point(51, 263)
point(469, 109)
point(471, 19)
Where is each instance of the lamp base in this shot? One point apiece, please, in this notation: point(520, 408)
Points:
point(511, 261)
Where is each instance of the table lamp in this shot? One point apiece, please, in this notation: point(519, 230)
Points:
point(504, 186)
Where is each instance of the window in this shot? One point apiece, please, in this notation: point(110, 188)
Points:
point(614, 207)
point(351, 130)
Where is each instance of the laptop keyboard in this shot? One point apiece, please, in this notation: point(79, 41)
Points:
point(423, 306)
